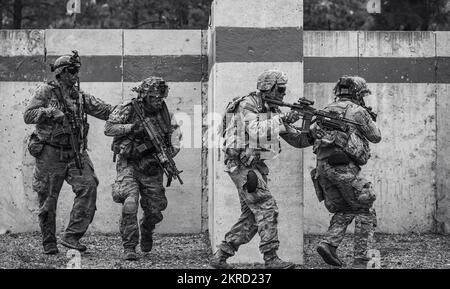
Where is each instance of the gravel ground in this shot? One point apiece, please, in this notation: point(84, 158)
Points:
point(192, 251)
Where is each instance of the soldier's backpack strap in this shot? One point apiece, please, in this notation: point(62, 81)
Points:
point(166, 118)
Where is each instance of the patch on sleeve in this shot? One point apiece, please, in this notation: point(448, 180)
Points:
point(120, 114)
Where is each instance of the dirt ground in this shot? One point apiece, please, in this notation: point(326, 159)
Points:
point(193, 251)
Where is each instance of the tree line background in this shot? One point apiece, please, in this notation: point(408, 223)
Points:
point(194, 14)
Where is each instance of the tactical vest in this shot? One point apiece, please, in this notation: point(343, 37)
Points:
point(351, 142)
point(60, 134)
point(133, 146)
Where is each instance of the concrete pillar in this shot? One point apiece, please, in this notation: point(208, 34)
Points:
point(247, 37)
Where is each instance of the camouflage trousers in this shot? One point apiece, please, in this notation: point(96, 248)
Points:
point(132, 182)
point(259, 213)
point(53, 166)
point(349, 197)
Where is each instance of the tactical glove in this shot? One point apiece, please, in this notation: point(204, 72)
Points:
point(137, 129)
point(290, 117)
point(58, 116)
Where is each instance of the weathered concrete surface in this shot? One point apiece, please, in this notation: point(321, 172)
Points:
point(150, 42)
point(87, 42)
point(396, 44)
point(330, 43)
point(443, 138)
point(22, 42)
point(256, 13)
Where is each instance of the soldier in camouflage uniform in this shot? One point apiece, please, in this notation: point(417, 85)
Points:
point(337, 178)
point(245, 151)
point(138, 173)
point(50, 145)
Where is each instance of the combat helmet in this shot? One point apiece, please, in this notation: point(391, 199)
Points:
point(154, 86)
point(353, 86)
point(269, 78)
point(66, 61)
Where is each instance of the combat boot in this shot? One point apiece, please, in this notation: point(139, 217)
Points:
point(272, 261)
point(51, 249)
point(72, 244)
point(130, 254)
point(146, 243)
point(219, 260)
point(328, 254)
point(360, 263)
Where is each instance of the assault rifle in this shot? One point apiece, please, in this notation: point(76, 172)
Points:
point(325, 119)
point(162, 154)
point(74, 131)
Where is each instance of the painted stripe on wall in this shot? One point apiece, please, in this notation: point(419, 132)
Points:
point(324, 69)
point(171, 68)
point(189, 68)
point(107, 68)
point(240, 44)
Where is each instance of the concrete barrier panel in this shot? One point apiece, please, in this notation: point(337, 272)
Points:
point(150, 42)
point(86, 41)
point(402, 167)
point(183, 213)
point(22, 42)
point(255, 13)
point(443, 133)
point(18, 204)
point(328, 56)
point(286, 171)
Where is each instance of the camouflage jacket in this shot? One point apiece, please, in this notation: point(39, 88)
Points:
point(45, 102)
point(254, 125)
point(355, 142)
point(123, 118)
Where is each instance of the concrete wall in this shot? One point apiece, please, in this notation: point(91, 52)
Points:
point(113, 62)
point(245, 38)
point(409, 73)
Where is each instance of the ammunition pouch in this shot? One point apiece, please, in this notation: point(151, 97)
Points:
point(35, 145)
point(338, 159)
point(148, 166)
point(317, 187)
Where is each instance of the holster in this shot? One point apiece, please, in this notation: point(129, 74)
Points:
point(35, 145)
point(317, 187)
point(252, 181)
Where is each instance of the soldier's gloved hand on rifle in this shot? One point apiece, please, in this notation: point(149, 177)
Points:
point(316, 131)
point(137, 129)
point(58, 115)
point(290, 117)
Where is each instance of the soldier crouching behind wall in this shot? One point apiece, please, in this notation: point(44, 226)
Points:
point(245, 165)
point(138, 172)
point(59, 144)
point(337, 180)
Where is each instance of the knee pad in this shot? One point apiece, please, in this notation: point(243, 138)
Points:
point(252, 181)
point(130, 206)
